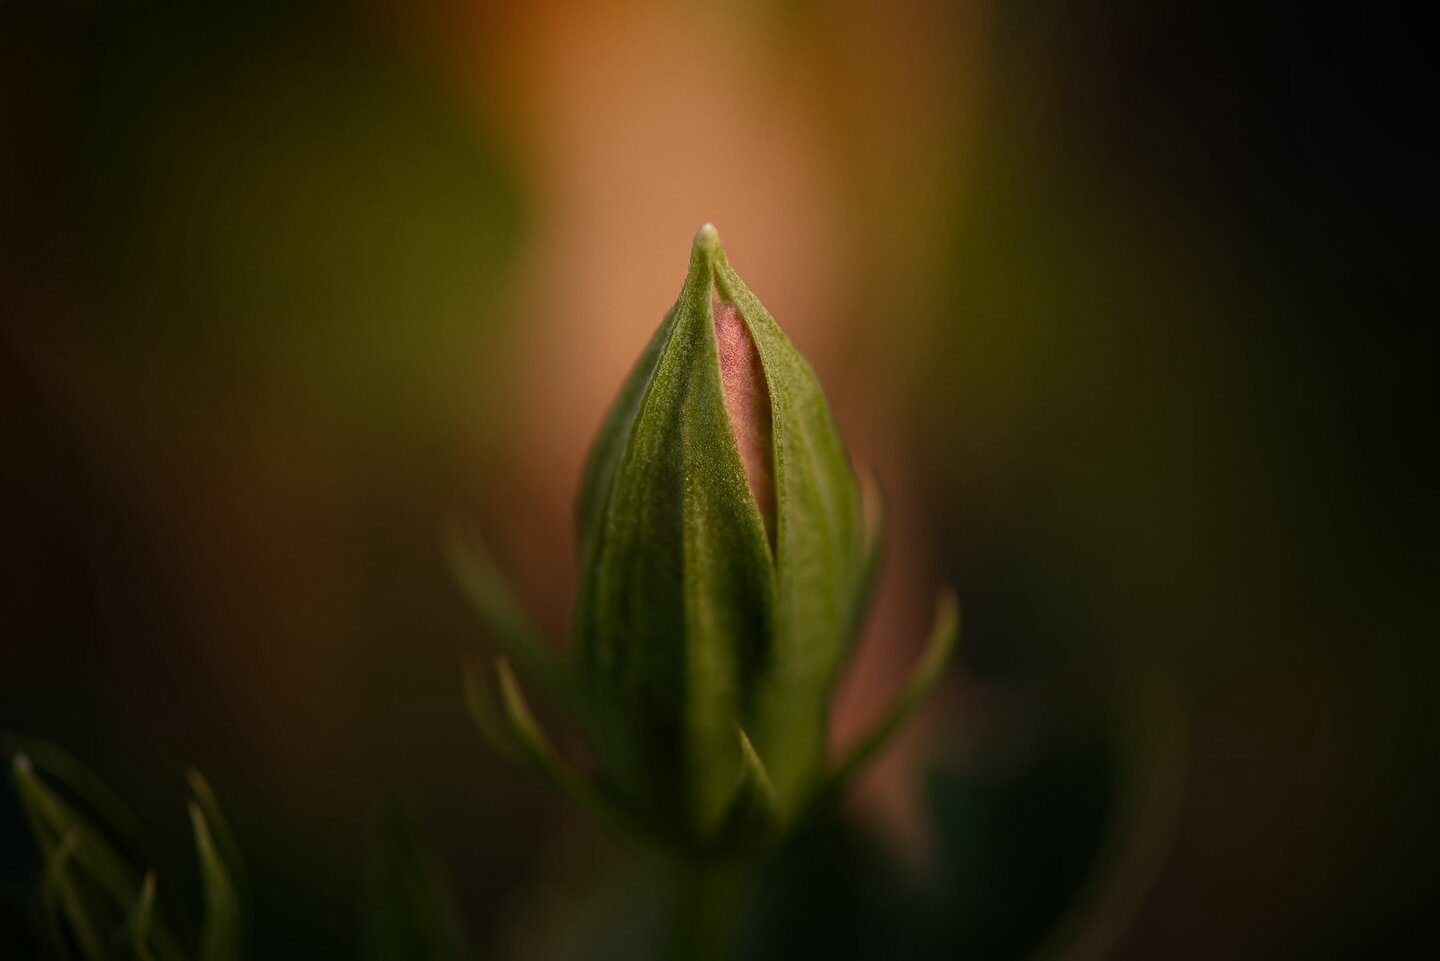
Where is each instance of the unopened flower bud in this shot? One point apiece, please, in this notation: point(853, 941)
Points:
point(724, 569)
point(722, 555)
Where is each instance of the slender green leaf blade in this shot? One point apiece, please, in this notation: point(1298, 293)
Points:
point(53, 822)
point(141, 919)
point(220, 830)
point(876, 513)
point(220, 931)
point(483, 712)
point(69, 917)
point(491, 597)
point(536, 747)
point(922, 681)
point(96, 887)
point(62, 768)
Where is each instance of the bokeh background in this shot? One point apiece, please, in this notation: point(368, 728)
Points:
point(1131, 306)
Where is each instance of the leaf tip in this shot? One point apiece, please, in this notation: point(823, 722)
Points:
point(947, 614)
point(197, 818)
point(509, 685)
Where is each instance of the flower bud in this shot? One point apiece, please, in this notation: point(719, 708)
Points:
point(724, 568)
point(721, 557)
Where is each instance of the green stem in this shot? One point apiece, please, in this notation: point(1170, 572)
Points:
point(707, 908)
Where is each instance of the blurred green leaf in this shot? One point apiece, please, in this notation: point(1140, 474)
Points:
point(220, 931)
point(485, 714)
point(63, 768)
point(220, 830)
point(537, 749)
point(67, 915)
point(57, 826)
point(141, 918)
point(92, 894)
point(875, 511)
point(485, 588)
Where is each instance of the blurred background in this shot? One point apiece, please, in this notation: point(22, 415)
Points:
point(1131, 306)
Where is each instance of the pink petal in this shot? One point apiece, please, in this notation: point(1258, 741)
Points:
point(747, 400)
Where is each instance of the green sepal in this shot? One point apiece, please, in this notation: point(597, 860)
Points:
point(754, 817)
point(757, 780)
point(820, 551)
point(674, 622)
point(607, 450)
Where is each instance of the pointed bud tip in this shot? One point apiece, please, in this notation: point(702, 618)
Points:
point(707, 236)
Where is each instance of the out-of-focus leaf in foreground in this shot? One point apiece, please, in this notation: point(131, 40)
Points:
point(95, 902)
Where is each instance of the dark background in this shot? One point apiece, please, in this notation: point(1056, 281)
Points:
point(1131, 306)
